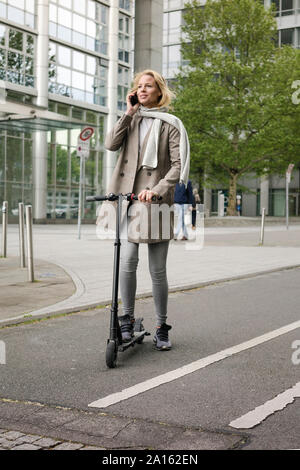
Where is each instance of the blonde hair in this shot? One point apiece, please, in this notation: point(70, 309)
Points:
point(166, 94)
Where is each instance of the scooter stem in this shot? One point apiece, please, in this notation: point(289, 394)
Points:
point(114, 326)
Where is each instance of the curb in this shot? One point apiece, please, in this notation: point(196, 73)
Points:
point(67, 428)
point(103, 303)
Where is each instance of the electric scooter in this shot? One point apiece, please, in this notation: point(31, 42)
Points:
point(115, 343)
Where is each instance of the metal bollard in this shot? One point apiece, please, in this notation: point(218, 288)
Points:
point(262, 229)
point(29, 243)
point(4, 228)
point(21, 234)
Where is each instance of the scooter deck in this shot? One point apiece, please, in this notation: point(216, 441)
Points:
point(136, 338)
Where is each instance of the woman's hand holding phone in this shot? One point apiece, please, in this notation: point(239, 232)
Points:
point(132, 104)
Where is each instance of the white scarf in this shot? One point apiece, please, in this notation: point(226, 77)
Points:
point(151, 151)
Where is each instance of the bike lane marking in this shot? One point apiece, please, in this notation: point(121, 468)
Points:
point(190, 368)
point(256, 416)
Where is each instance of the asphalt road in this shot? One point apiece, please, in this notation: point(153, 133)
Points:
point(61, 361)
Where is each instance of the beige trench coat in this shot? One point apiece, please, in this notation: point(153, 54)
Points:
point(146, 223)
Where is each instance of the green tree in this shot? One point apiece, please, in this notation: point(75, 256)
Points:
point(235, 94)
point(62, 160)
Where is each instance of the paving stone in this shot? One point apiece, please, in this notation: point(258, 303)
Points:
point(46, 442)
point(68, 446)
point(7, 444)
point(26, 447)
point(12, 435)
point(27, 438)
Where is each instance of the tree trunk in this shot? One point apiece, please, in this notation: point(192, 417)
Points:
point(231, 209)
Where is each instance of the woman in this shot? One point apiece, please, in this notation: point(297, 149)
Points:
point(154, 157)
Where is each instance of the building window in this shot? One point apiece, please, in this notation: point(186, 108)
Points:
point(124, 38)
point(287, 36)
point(123, 87)
point(173, 4)
point(284, 7)
point(83, 23)
point(172, 36)
point(64, 165)
point(287, 7)
point(16, 56)
point(125, 5)
point(276, 4)
point(19, 11)
point(15, 169)
point(77, 75)
point(277, 202)
point(172, 27)
point(171, 60)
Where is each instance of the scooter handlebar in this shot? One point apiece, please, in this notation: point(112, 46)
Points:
point(110, 197)
point(114, 197)
point(95, 198)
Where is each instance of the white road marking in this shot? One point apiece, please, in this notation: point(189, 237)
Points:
point(256, 416)
point(190, 368)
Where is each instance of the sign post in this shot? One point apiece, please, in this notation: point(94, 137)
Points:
point(287, 182)
point(221, 204)
point(83, 150)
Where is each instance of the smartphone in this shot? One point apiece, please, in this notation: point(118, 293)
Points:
point(134, 99)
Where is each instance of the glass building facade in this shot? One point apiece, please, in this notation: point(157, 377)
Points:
point(288, 29)
point(288, 21)
point(172, 36)
point(74, 58)
point(78, 48)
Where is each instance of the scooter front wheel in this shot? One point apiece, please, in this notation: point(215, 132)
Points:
point(111, 354)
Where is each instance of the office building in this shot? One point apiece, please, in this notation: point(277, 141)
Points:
point(68, 64)
point(64, 65)
point(268, 192)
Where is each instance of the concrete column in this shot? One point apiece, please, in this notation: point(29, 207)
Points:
point(112, 90)
point(264, 194)
point(148, 35)
point(40, 149)
point(40, 138)
point(42, 52)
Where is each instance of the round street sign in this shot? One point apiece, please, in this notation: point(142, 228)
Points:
point(86, 133)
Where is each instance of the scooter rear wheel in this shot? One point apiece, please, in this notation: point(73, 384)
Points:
point(111, 354)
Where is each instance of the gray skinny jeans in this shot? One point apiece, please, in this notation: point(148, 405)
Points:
point(157, 258)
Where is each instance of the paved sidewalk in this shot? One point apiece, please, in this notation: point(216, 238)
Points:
point(74, 274)
point(32, 426)
point(20, 297)
point(15, 440)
